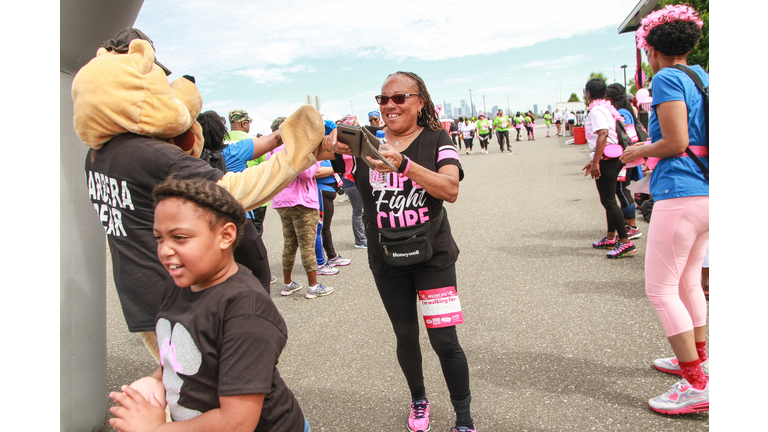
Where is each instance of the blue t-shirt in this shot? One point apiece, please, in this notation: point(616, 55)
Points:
point(628, 120)
point(237, 154)
point(324, 183)
point(677, 177)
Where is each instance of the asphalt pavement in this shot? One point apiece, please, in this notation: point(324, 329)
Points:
point(558, 337)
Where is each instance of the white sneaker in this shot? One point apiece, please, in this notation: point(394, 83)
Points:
point(338, 261)
point(681, 398)
point(290, 289)
point(319, 291)
point(670, 365)
point(326, 270)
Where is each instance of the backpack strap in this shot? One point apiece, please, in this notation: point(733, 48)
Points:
point(705, 100)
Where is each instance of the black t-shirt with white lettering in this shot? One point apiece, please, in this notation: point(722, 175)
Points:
point(225, 340)
point(405, 203)
point(120, 177)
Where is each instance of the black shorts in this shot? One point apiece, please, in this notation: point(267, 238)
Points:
point(570, 122)
point(557, 121)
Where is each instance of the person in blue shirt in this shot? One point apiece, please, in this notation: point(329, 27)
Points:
point(679, 231)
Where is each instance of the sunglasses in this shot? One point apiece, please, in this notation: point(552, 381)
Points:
point(398, 99)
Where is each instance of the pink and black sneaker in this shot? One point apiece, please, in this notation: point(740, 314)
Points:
point(622, 250)
point(418, 421)
point(605, 243)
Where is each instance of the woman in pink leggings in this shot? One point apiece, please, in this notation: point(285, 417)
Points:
point(679, 231)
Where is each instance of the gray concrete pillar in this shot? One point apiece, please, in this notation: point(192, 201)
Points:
point(83, 341)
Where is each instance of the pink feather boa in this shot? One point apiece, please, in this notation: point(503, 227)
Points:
point(670, 13)
point(609, 106)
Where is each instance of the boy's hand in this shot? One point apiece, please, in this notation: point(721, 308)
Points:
point(134, 412)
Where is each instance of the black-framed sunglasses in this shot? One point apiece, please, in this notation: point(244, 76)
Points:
point(398, 99)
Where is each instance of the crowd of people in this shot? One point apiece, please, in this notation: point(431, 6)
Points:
point(215, 311)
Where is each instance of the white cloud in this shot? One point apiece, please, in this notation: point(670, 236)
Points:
point(206, 35)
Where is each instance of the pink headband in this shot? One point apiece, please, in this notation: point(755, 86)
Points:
point(670, 13)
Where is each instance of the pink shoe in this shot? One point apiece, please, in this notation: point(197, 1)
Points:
point(418, 421)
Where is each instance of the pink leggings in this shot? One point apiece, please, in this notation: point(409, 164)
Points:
point(677, 243)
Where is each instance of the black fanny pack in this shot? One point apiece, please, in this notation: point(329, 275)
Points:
point(404, 246)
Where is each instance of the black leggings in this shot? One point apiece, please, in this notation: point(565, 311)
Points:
point(503, 136)
point(328, 198)
point(468, 143)
point(606, 187)
point(484, 140)
point(400, 297)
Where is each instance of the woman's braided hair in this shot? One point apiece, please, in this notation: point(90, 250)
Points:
point(428, 116)
point(211, 198)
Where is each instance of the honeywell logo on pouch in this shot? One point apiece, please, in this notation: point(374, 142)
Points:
point(404, 255)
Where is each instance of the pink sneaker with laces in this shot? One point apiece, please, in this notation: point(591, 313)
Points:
point(418, 421)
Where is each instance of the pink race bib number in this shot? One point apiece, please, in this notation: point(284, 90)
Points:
point(440, 307)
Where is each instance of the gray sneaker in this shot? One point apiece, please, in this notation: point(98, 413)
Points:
point(326, 270)
point(290, 289)
point(319, 291)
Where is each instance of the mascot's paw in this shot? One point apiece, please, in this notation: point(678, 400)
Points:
point(302, 133)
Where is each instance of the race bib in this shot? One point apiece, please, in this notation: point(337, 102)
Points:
point(440, 307)
point(503, 124)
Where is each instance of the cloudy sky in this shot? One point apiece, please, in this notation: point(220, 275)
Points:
point(265, 57)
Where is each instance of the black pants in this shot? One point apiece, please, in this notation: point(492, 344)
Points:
point(252, 253)
point(328, 198)
point(468, 143)
point(257, 217)
point(484, 139)
point(503, 136)
point(400, 297)
point(606, 187)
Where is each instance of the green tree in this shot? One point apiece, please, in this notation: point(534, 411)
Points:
point(598, 75)
point(574, 98)
point(699, 55)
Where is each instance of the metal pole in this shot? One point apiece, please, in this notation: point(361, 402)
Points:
point(625, 76)
point(484, 110)
point(351, 110)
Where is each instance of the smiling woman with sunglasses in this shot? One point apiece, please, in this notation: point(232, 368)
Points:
point(427, 173)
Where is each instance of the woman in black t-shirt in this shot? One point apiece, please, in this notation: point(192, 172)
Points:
point(428, 173)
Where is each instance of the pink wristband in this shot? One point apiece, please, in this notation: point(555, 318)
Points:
point(407, 168)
